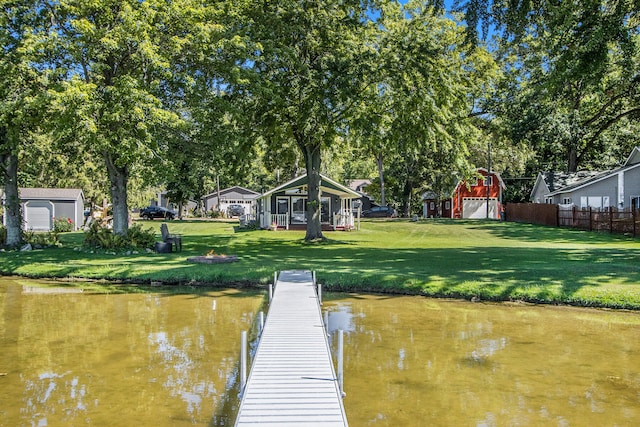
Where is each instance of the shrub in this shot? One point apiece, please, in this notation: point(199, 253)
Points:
point(62, 225)
point(214, 214)
point(139, 237)
point(3, 235)
point(41, 240)
point(100, 237)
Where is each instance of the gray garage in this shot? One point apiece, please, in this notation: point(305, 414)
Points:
point(41, 205)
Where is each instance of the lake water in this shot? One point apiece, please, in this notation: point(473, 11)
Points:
point(70, 358)
point(419, 362)
point(119, 360)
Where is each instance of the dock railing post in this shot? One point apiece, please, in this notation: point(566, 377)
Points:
point(275, 278)
point(260, 323)
point(341, 362)
point(270, 292)
point(243, 361)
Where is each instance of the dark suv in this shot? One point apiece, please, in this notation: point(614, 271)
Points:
point(152, 212)
point(235, 210)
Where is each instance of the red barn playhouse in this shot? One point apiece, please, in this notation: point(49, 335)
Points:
point(470, 200)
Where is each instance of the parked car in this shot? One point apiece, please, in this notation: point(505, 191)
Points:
point(380, 212)
point(235, 210)
point(152, 212)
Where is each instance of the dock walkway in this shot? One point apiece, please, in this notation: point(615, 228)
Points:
point(292, 380)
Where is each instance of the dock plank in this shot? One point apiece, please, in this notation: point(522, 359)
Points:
point(292, 380)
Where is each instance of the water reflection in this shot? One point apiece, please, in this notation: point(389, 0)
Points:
point(419, 362)
point(147, 360)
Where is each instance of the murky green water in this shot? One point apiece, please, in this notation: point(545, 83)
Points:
point(73, 359)
point(417, 362)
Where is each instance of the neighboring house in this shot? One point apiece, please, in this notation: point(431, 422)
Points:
point(619, 188)
point(470, 199)
point(162, 199)
point(41, 205)
point(365, 202)
point(359, 185)
point(286, 205)
point(235, 195)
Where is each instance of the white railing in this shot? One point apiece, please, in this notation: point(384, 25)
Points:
point(343, 219)
point(246, 219)
point(281, 220)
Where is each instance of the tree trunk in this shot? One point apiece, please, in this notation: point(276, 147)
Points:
point(406, 198)
point(13, 211)
point(572, 165)
point(118, 177)
point(383, 200)
point(312, 162)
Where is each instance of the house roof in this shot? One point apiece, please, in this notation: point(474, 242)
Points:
point(560, 181)
point(564, 182)
point(326, 184)
point(634, 157)
point(50, 193)
point(236, 189)
point(596, 178)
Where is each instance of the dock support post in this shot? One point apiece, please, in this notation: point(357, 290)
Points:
point(260, 323)
point(275, 278)
point(320, 293)
point(326, 322)
point(270, 292)
point(341, 362)
point(243, 361)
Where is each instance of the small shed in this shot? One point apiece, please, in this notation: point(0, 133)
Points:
point(41, 205)
point(473, 199)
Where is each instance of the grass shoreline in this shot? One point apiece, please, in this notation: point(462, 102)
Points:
point(471, 260)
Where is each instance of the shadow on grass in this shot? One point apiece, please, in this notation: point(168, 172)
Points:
point(550, 273)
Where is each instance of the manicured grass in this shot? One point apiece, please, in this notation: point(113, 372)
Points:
point(445, 258)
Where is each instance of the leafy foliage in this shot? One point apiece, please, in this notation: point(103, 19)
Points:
point(62, 225)
point(99, 236)
point(41, 240)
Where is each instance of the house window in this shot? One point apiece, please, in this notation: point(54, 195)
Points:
point(635, 202)
point(566, 201)
point(548, 200)
point(298, 210)
point(488, 181)
point(596, 202)
point(447, 205)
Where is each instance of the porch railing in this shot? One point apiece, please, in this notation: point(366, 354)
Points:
point(281, 220)
point(343, 219)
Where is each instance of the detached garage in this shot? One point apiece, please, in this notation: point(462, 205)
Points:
point(41, 205)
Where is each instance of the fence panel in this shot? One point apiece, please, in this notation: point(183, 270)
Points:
point(609, 220)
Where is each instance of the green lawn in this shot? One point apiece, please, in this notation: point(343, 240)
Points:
point(468, 259)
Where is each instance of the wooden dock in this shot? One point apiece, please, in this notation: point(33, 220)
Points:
point(292, 381)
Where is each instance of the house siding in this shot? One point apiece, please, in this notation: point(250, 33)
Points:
point(605, 190)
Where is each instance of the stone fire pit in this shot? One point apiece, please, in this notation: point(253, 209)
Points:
point(213, 259)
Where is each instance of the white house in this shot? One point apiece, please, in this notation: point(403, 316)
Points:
point(286, 205)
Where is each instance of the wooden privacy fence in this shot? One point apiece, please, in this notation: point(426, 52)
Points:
point(611, 220)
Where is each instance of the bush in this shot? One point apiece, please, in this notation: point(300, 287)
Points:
point(98, 236)
point(41, 240)
point(3, 235)
point(139, 237)
point(62, 225)
point(215, 214)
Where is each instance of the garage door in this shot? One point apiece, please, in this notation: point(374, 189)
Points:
point(38, 215)
point(476, 208)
